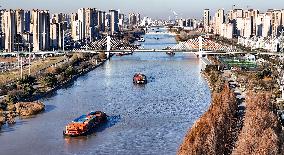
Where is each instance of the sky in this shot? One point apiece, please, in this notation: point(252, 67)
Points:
point(152, 8)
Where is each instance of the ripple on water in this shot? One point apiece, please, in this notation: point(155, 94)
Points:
point(149, 119)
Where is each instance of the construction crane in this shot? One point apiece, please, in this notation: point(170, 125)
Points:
point(175, 14)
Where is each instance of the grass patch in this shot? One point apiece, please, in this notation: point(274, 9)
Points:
point(239, 63)
point(35, 67)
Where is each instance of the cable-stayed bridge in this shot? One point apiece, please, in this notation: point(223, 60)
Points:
point(198, 46)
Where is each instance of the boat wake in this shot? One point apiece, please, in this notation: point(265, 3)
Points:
point(111, 121)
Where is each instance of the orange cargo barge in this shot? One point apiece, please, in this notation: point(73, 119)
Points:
point(84, 124)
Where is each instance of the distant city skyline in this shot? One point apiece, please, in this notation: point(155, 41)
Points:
point(152, 8)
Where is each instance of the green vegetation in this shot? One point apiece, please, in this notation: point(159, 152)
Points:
point(215, 80)
point(27, 80)
point(23, 89)
point(264, 73)
point(49, 80)
point(239, 63)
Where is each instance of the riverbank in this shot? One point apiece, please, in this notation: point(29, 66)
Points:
point(70, 80)
point(227, 128)
point(22, 96)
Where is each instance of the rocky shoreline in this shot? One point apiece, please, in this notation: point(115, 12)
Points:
point(21, 109)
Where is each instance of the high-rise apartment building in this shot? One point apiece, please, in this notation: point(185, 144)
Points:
point(20, 21)
point(266, 31)
point(252, 13)
point(121, 22)
point(248, 26)
point(89, 23)
point(206, 20)
point(227, 30)
point(101, 20)
point(54, 36)
point(27, 20)
point(259, 24)
point(57, 28)
point(138, 17)
point(57, 18)
point(91, 20)
point(114, 20)
point(2, 30)
point(40, 27)
point(233, 15)
point(240, 26)
point(107, 22)
point(132, 19)
point(282, 17)
point(74, 26)
point(82, 23)
point(249, 23)
point(9, 27)
point(219, 19)
point(276, 22)
point(236, 13)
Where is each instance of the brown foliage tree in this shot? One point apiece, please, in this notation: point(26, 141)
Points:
point(261, 133)
point(212, 133)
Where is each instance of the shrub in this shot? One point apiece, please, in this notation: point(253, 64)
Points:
point(84, 65)
point(49, 80)
point(70, 71)
point(3, 90)
point(12, 97)
point(28, 91)
point(102, 55)
point(30, 80)
point(25, 92)
point(3, 105)
point(61, 78)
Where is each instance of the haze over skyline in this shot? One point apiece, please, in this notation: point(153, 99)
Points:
point(151, 8)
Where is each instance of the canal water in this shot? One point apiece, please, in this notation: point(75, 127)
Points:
point(150, 119)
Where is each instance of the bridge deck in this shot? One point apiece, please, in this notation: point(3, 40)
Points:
point(161, 33)
point(138, 51)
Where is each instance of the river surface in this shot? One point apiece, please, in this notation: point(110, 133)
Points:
point(150, 119)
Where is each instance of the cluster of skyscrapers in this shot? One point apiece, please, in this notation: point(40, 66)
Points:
point(26, 30)
point(89, 23)
point(39, 30)
point(188, 24)
point(244, 23)
point(134, 19)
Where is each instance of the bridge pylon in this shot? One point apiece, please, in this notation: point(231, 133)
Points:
point(200, 47)
point(108, 43)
